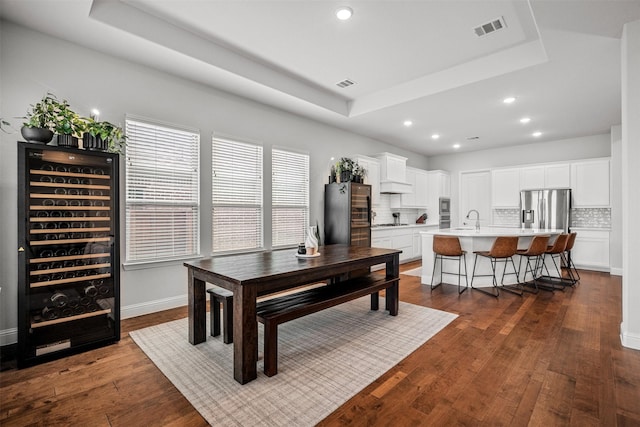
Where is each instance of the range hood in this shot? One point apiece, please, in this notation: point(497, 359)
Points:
point(393, 174)
point(395, 187)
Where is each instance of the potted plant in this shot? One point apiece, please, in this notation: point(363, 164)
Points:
point(68, 125)
point(40, 120)
point(345, 169)
point(103, 136)
point(359, 173)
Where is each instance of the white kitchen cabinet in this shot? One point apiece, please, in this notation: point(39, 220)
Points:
point(392, 167)
point(531, 178)
point(557, 175)
point(505, 188)
point(418, 197)
point(591, 249)
point(438, 185)
point(545, 176)
point(372, 178)
point(590, 183)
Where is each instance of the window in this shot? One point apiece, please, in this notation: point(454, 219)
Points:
point(162, 205)
point(236, 195)
point(290, 197)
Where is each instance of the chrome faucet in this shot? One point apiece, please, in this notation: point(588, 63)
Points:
point(477, 218)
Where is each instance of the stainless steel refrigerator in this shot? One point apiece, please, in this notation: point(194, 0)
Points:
point(546, 208)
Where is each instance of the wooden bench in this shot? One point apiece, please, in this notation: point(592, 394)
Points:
point(222, 297)
point(279, 310)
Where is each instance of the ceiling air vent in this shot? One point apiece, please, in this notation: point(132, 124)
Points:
point(490, 27)
point(345, 83)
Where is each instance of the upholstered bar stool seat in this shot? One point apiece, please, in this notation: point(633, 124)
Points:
point(448, 247)
point(219, 296)
point(536, 250)
point(502, 250)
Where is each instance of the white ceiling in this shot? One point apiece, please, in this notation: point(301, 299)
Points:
point(417, 60)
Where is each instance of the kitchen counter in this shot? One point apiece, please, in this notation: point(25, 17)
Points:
point(493, 231)
point(482, 240)
point(393, 227)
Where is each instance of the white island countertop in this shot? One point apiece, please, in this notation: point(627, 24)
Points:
point(472, 241)
point(488, 231)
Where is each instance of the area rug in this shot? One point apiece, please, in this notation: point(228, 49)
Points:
point(413, 272)
point(323, 360)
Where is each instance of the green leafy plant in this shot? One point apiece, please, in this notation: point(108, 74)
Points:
point(44, 113)
point(67, 121)
point(345, 164)
point(112, 134)
point(360, 171)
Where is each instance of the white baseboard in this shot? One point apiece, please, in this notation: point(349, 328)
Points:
point(8, 336)
point(629, 340)
point(616, 271)
point(154, 306)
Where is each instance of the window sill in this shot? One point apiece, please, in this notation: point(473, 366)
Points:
point(142, 265)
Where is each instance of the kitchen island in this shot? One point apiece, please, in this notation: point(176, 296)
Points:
point(478, 240)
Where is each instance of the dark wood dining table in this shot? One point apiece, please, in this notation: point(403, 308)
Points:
point(252, 275)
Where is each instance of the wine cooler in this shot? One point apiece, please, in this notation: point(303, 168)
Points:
point(68, 251)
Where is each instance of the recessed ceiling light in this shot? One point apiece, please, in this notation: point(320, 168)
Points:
point(456, 146)
point(537, 134)
point(344, 13)
point(407, 123)
point(435, 136)
point(509, 100)
point(525, 120)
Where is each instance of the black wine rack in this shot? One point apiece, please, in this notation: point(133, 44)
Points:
point(68, 250)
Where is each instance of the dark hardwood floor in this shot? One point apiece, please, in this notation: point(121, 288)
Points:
point(540, 360)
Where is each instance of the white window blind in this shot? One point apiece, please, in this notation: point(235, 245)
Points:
point(290, 197)
point(162, 206)
point(236, 195)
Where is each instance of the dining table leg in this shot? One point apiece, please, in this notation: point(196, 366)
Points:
point(245, 334)
point(197, 308)
point(392, 296)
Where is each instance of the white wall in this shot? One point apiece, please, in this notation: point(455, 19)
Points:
point(32, 63)
point(563, 150)
point(615, 247)
point(630, 327)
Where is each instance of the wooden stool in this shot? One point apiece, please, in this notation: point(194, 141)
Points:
point(224, 297)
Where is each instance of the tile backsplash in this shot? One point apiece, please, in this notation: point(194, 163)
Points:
point(580, 217)
point(591, 218)
point(383, 212)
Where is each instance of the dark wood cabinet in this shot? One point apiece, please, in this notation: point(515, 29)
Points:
point(68, 251)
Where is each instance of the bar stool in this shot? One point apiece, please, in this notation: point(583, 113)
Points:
point(448, 247)
point(219, 296)
point(502, 250)
point(570, 266)
point(556, 251)
point(536, 249)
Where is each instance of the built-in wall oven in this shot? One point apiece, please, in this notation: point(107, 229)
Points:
point(444, 211)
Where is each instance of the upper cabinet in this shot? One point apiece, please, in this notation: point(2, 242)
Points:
point(532, 177)
point(392, 167)
point(545, 176)
point(557, 175)
point(505, 188)
point(590, 183)
point(506, 184)
point(372, 166)
point(417, 198)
